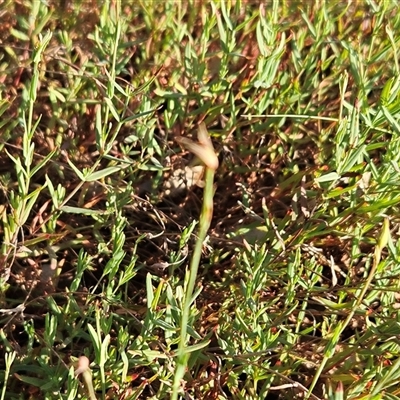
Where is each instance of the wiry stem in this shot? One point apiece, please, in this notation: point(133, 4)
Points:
point(206, 153)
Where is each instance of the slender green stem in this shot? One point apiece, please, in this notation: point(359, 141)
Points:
point(9, 359)
point(205, 221)
point(377, 258)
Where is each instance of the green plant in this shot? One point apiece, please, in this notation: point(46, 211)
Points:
point(291, 289)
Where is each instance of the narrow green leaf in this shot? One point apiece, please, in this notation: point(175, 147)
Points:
point(112, 109)
point(385, 235)
point(149, 290)
point(20, 35)
point(31, 381)
point(95, 339)
point(76, 170)
point(95, 176)
point(104, 350)
point(100, 139)
point(198, 346)
point(42, 162)
point(385, 94)
point(31, 200)
point(138, 115)
point(79, 210)
point(330, 177)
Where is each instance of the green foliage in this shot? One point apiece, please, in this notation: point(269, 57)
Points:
point(279, 279)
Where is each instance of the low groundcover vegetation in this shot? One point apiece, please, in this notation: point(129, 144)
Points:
point(199, 200)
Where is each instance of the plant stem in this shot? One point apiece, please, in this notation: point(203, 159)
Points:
point(205, 221)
